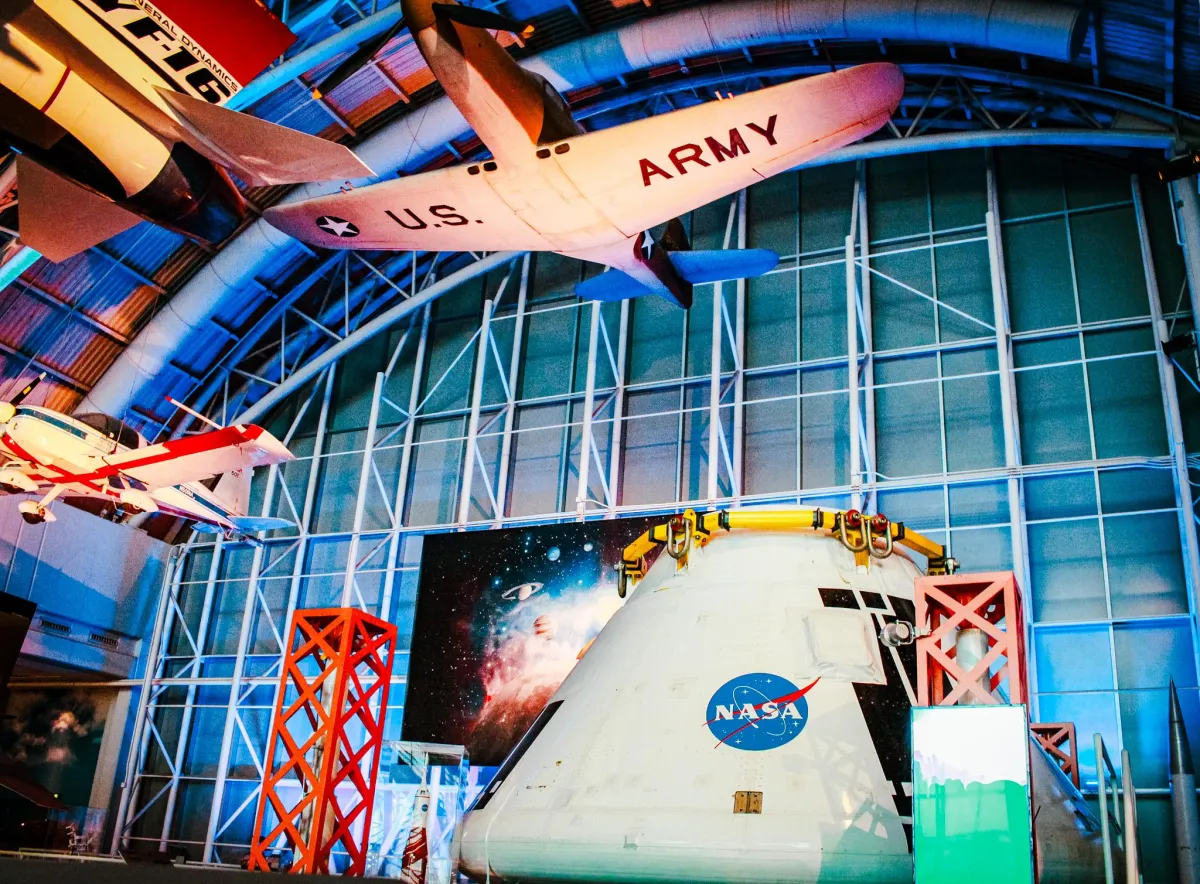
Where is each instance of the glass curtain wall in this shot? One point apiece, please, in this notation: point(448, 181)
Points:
point(1008, 399)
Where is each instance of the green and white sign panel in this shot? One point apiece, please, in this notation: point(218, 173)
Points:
point(971, 817)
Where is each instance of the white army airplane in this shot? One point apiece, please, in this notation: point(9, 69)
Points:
point(552, 187)
point(114, 109)
point(204, 478)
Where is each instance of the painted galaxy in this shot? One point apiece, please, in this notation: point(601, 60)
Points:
point(501, 618)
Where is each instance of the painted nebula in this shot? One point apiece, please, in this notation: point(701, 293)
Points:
point(501, 618)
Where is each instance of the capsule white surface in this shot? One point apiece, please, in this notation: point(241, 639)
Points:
point(630, 774)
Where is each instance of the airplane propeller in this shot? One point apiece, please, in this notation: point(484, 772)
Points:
point(9, 409)
point(463, 15)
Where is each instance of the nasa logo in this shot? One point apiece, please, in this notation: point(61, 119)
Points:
point(337, 226)
point(757, 711)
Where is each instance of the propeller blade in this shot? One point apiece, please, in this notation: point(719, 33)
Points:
point(481, 18)
point(352, 65)
point(20, 397)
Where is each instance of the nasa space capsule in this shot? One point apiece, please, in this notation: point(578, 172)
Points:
point(738, 719)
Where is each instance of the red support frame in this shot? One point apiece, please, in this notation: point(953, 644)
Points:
point(980, 601)
point(1058, 739)
point(339, 663)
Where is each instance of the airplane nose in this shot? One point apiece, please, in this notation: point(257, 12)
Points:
point(192, 196)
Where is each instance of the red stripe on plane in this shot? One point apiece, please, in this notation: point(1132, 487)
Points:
point(223, 438)
point(62, 81)
point(63, 477)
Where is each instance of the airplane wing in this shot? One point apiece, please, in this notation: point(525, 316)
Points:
point(58, 235)
point(190, 459)
point(448, 210)
point(198, 457)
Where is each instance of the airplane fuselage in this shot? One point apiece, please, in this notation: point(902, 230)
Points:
point(45, 448)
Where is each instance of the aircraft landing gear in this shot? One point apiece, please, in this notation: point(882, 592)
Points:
point(34, 513)
point(37, 512)
point(10, 489)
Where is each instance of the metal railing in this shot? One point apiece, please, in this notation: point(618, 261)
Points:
point(1118, 818)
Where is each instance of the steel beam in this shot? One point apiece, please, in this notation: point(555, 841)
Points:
point(366, 332)
point(589, 405)
point(1174, 425)
point(1187, 210)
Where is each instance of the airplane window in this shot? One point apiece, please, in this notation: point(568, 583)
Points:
point(124, 435)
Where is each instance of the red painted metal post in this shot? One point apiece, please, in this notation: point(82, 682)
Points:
point(989, 602)
point(329, 739)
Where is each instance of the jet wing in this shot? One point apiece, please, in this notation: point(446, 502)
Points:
point(259, 151)
point(449, 210)
point(58, 235)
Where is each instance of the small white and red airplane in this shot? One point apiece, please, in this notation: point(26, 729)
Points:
point(204, 478)
point(551, 186)
point(114, 109)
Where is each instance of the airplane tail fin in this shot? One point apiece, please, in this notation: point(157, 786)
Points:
point(233, 491)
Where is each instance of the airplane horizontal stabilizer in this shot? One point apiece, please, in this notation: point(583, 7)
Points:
point(254, 524)
point(718, 264)
point(611, 285)
point(260, 152)
point(59, 218)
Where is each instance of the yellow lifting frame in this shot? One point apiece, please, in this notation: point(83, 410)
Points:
point(865, 535)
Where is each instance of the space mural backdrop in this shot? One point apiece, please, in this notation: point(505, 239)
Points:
point(501, 618)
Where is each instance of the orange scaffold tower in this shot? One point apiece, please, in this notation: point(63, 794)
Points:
point(326, 738)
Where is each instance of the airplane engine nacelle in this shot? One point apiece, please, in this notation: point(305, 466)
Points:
point(16, 482)
point(132, 499)
point(7, 412)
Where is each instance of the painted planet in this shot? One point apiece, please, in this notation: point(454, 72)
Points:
point(589, 546)
point(545, 627)
point(521, 592)
point(554, 553)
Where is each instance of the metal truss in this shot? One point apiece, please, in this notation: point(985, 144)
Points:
point(477, 488)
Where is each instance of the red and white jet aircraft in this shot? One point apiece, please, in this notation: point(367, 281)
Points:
point(550, 186)
point(204, 478)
